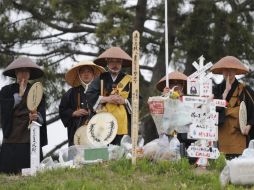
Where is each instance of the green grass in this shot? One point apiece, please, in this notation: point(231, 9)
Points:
point(123, 175)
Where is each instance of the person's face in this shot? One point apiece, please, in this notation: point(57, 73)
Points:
point(114, 65)
point(22, 74)
point(229, 74)
point(86, 74)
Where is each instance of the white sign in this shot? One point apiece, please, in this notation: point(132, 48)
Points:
point(202, 116)
point(194, 100)
point(203, 152)
point(200, 71)
point(34, 149)
point(220, 103)
point(35, 144)
point(206, 88)
point(203, 131)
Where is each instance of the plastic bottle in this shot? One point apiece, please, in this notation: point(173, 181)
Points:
point(174, 145)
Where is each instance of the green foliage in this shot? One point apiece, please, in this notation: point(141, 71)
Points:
point(115, 29)
point(218, 164)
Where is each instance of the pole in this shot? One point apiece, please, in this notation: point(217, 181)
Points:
point(166, 41)
point(135, 94)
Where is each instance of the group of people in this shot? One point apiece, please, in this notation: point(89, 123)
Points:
point(93, 89)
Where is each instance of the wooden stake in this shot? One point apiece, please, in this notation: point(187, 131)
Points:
point(135, 94)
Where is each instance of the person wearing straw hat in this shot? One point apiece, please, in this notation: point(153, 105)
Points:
point(233, 140)
point(176, 80)
point(112, 90)
point(73, 109)
point(15, 116)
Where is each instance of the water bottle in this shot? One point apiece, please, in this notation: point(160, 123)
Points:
point(174, 145)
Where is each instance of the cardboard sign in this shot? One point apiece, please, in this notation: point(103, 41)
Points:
point(203, 152)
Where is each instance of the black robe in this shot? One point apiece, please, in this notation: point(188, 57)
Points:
point(245, 95)
point(15, 156)
point(68, 105)
point(93, 93)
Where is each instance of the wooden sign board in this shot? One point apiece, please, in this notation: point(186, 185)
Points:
point(135, 94)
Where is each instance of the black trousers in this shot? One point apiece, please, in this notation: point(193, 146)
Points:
point(117, 140)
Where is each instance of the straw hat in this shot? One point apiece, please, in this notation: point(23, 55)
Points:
point(171, 76)
point(102, 129)
point(71, 76)
point(229, 62)
point(80, 137)
point(23, 62)
point(114, 52)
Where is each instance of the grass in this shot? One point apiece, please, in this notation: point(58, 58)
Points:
point(122, 174)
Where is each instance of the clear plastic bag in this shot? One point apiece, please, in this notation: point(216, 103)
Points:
point(115, 152)
point(151, 148)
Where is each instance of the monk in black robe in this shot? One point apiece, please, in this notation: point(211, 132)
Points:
point(233, 140)
point(112, 89)
point(15, 117)
point(74, 109)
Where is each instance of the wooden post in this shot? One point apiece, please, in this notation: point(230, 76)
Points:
point(135, 94)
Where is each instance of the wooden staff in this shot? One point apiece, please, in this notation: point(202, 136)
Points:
point(135, 94)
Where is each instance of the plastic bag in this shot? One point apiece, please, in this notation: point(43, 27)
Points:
point(115, 152)
point(151, 148)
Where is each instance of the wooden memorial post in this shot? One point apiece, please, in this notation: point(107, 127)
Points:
point(33, 100)
point(135, 94)
point(204, 116)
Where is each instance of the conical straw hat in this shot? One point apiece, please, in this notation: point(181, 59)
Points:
point(80, 137)
point(114, 52)
point(102, 129)
point(171, 76)
point(23, 62)
point(229, 62)
point(72, 78)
